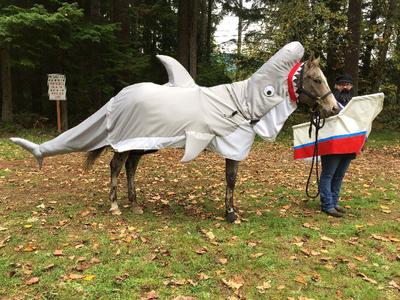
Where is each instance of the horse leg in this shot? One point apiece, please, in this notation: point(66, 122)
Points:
point(116, 164)
point(231, 168)
point(131, 167)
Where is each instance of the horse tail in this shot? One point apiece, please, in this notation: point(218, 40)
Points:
point(91, 157)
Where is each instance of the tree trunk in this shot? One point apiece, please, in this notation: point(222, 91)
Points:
point(332, 60)
point(397, 64)
point(193, 38)
point(384, 45)
point(187, 35)
point(353, 47)
point(6, 86)
point(240, 29)
point(202, 50)
point(209, 28)
point(64, 115)
point(95, 9)
point(120, 15)
point(183, 32)
point(370, 42)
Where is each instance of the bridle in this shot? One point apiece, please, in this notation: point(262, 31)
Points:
point(301, 90)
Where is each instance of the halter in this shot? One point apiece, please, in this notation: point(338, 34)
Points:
point(296, 86)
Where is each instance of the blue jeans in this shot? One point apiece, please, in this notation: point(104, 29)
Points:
point(334, 166)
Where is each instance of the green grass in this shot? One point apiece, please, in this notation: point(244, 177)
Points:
point(280, 240)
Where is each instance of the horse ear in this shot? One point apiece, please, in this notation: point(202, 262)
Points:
point(316, 61)
point(313, 61)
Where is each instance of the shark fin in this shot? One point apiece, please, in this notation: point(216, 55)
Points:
point(177, 74)
point(31, 147)
point(195, 143)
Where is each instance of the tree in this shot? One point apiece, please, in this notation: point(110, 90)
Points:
point(187, 35)
point(6, 83)
point(352, 52)
point(383, 44)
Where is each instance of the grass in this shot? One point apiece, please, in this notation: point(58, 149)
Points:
point(180, 246)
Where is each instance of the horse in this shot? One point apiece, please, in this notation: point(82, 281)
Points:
point(146, 117)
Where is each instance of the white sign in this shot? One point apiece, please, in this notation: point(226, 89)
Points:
point(57, 89)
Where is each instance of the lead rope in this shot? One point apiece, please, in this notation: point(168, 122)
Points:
point(316, 121)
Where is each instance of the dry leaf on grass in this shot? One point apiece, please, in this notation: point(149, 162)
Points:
point(151, 296)
point(265, 286)
point(301, 279)
point(394, 284)
point(203, 276)
point(327, 239)
point(185, 298)
point(223, 261)
point(235, 282)
point(366, 278)
point(58, 252)
point(256, 255)
point(32, 280)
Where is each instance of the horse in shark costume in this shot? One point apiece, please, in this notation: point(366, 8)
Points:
point(145, 117)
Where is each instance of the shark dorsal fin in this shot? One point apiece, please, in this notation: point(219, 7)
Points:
point(177, 74)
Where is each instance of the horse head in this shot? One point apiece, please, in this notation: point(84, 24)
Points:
point(313, 89)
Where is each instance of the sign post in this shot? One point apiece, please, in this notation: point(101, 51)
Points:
point(57, 91)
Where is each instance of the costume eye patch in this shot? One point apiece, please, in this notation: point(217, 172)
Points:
point(269, 91)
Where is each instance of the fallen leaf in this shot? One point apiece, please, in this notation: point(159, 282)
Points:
point(360, 258)
point(58, 252)
point(366, 278)
point(394, 284)
point(281, 287)
point(235, 282)
point(301, 279)
point(223, 261)
point(203, 276)
point(75, 276)
point(175, 282)
point(202, 250)
point(48, 267)
point(185, 298)
point(151, 295)
point(265, 286)
point(305, 251)
point(327, 239)
point(89, 277)
point(256, 255)
point(314, 253)
point(379, 238)
point(94, 260)
point(32, 280)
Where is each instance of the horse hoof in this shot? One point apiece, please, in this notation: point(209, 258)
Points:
point(137, 210)
point(115, 211)
point(230, 217)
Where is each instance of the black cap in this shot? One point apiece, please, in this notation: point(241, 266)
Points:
point(345, 78)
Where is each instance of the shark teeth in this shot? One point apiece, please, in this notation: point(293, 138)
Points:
point(295, 79)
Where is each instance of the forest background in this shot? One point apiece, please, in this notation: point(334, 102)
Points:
point(104, 45)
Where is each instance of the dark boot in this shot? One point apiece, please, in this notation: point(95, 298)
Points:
point(333, 212)
point(340, 209)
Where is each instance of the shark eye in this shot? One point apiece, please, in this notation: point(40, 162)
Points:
point(269, 91)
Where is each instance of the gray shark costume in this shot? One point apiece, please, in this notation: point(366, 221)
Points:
point(181, 114)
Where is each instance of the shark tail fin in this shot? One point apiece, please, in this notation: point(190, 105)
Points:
point(31, 147)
